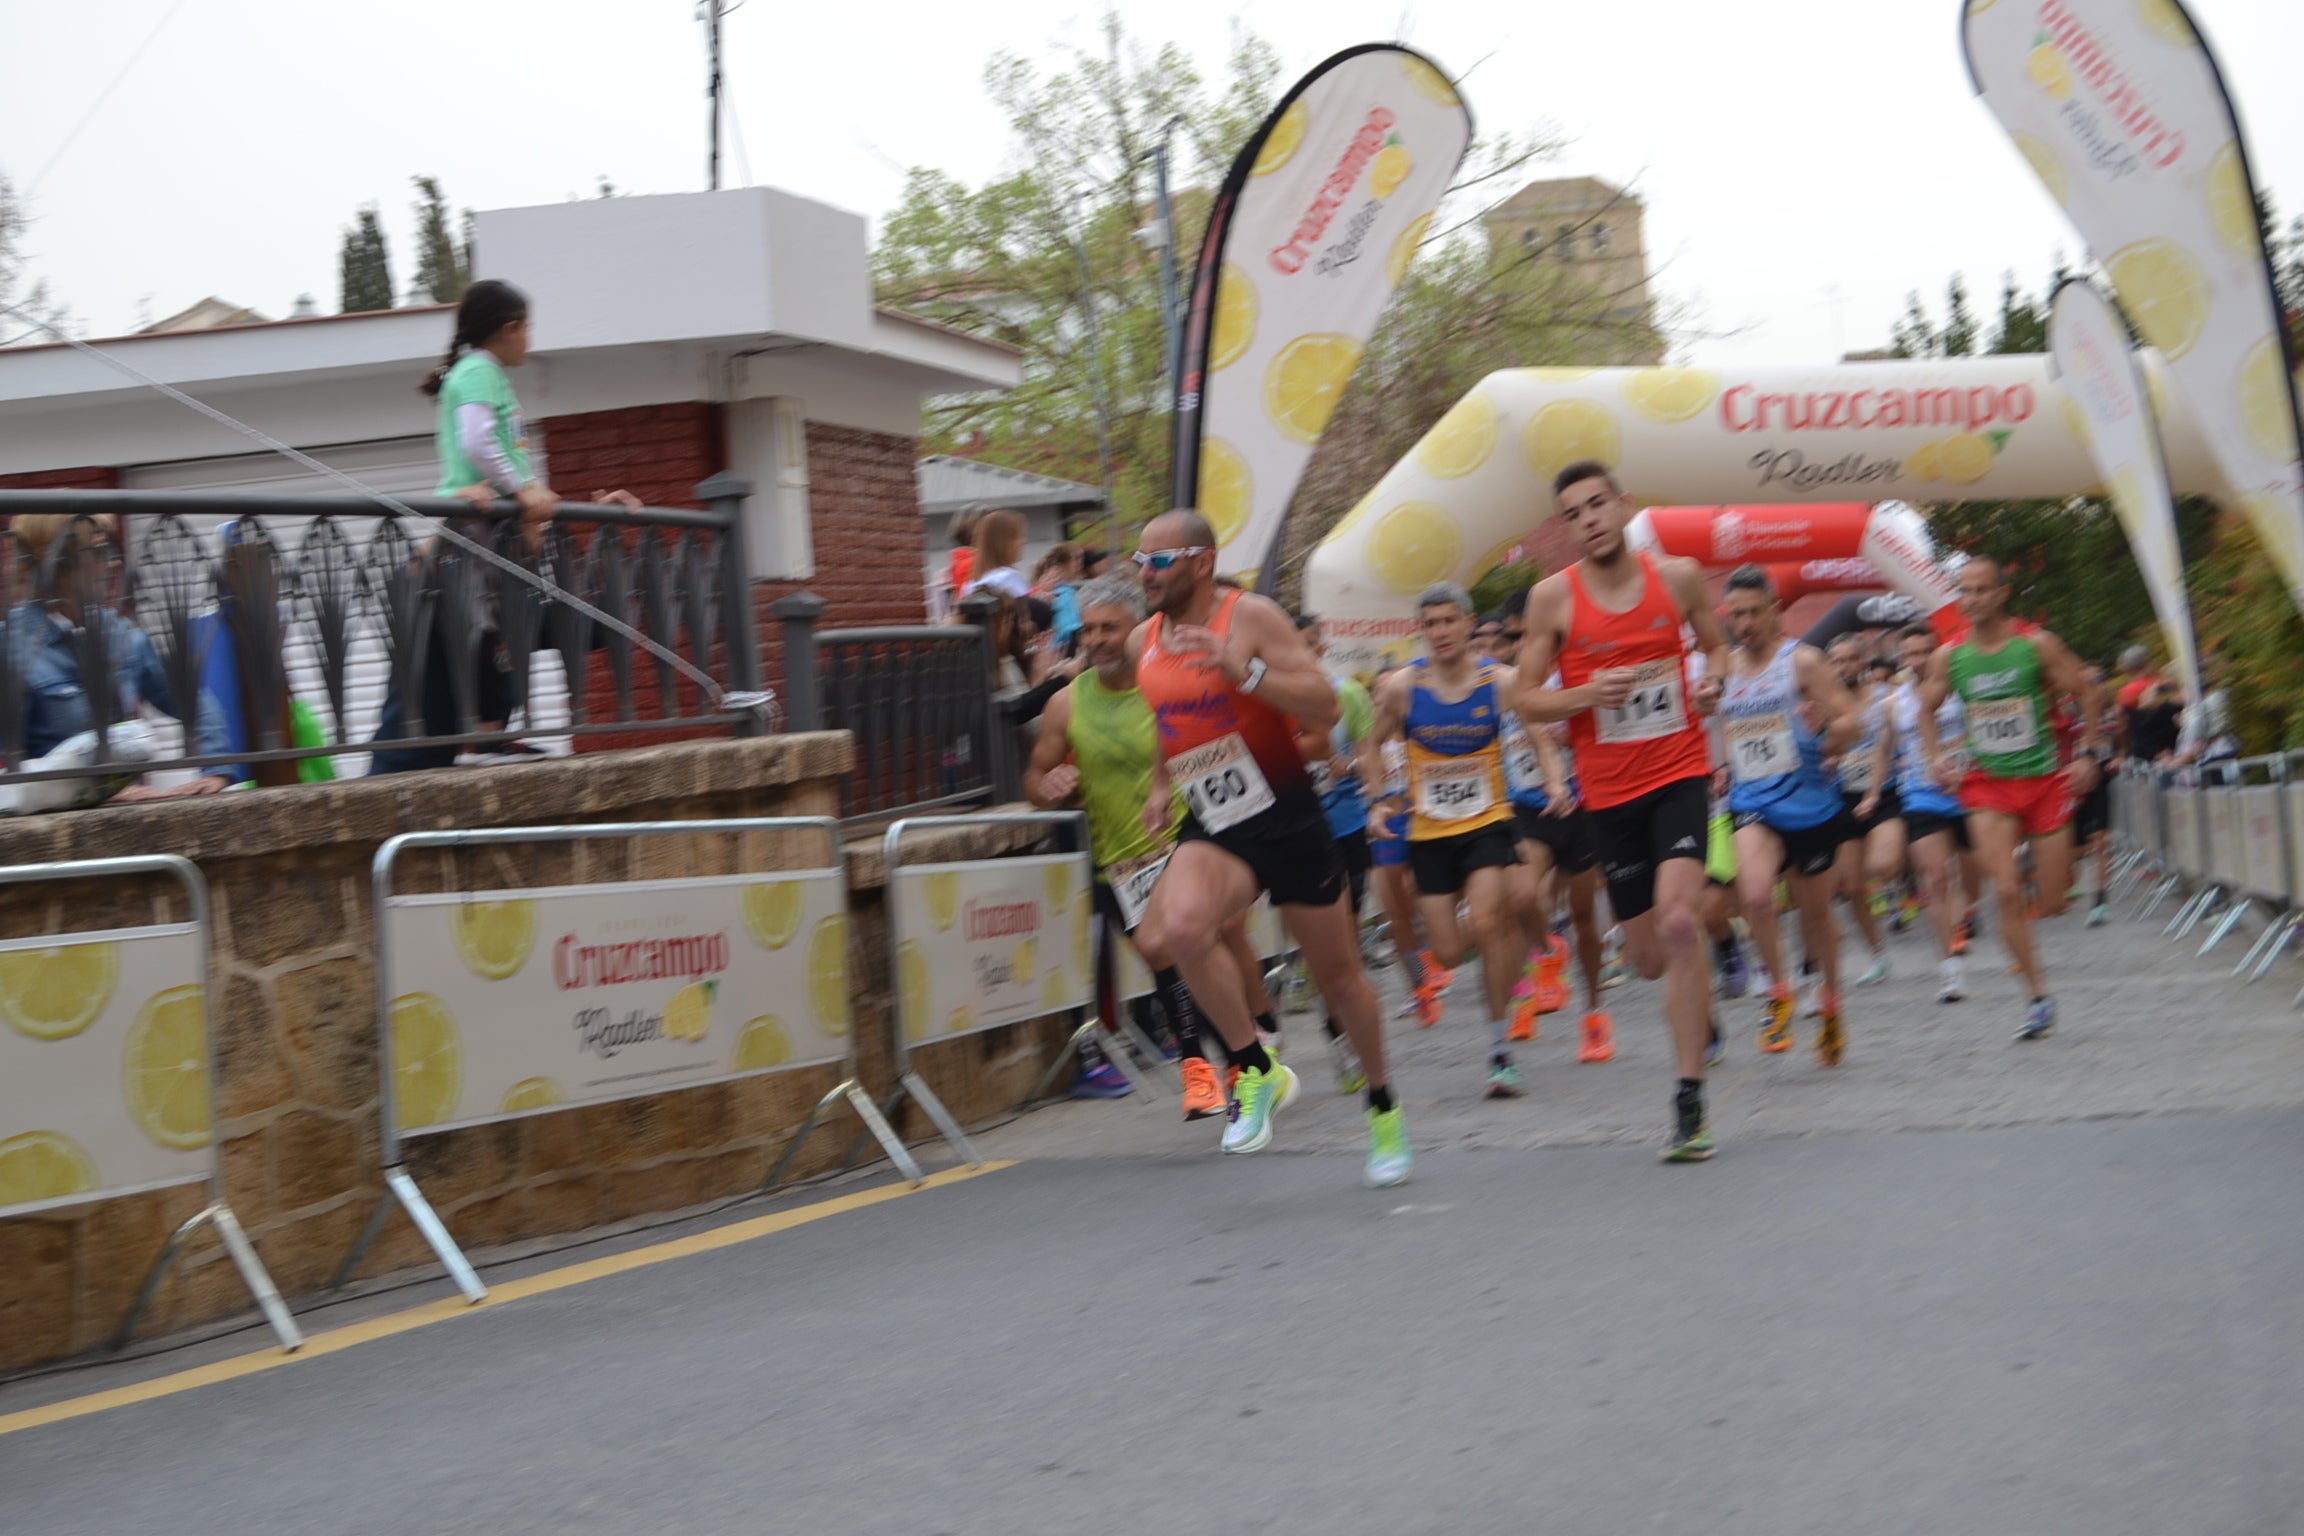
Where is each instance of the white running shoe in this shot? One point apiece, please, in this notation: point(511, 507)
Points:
point(1876, 972)
point(1954, 985)
point(1812, 998)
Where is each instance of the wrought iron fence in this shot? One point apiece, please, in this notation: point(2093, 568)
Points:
point(336, 612)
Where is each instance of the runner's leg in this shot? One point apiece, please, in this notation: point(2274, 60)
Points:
point(2052, 868)
point(1996, 837)
point(1678, 932)
point(1200, 892)
point(1759, 860)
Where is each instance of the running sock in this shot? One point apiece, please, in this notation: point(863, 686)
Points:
point(1497, 1030)
point(1253, 1058)
point(1176, 1002)
point(1334, 1030)
point(1724, 949)
point(1690, 1091)
point(1267, 1023)
point(1380, 1100)
point(1808, 968)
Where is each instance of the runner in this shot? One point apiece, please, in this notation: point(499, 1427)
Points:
point(1448, 707)
point(1095, 749)
point(1611, 624)
point(2092, 816)
point(2014, 792)
point(1336, 774)
point(1230, 682)
point(1396, 892)
point(1930, 829)
point(1555, 842)
point(1870, 859)
point(1790, 819)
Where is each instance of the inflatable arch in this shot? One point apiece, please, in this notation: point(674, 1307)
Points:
point(1858, 547)
point(1984, 429)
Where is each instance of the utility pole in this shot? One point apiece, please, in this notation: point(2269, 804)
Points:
point(712, 90)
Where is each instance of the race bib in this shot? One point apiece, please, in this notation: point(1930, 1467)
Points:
point(1323, 777)
point(1656, 706)
point(1760, 747)
point(1452, 794)
point(1958, 760)
point(1856, 773)
point(1222, 783)
point(1521, 763)
point(1395, 768)
point(1132, 884)
point(2003, 726)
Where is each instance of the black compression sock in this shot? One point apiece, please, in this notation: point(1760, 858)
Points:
point(1334, 1030)
point(1176, 1002)
point(1252, 1058)
point(1380, 1100)
point(1691, 1091)
point(1267, 1023)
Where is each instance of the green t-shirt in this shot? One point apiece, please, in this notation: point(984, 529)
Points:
point(1112, 737)
point(2006, 707)
point(477, 379)
point(1356, 711)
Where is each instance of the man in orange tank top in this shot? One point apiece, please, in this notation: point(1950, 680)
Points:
point(1611, 625)
point(1231, 683)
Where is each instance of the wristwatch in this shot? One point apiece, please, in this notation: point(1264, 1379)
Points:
point(1256, 670)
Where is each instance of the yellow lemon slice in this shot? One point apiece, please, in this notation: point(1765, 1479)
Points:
point(1460, 441)
point(960, 1022)
point(1405, 245)
point(1430, 81)
point(689, 1014)
point(1671, 395)
point(1926, 461)
point(2045, 64)
point(828, 974)
point(2166, 22)
point(1055, 989)
point(1390, 168)
point(772, 910)
point(427, 1061)
point(1281, 144)
point(912, 991)
point(1304, 380)
point(532, 1093)
point(2265, 407)
point(1967, 458)
point(493, 937)
point(2043, 161)
point(1056, 880)
point(1567, 430)
point(54, 992)
point(1082, 959)
point(1227, 489)
point(1236, 309)
point(2164, 292)
point(164, 1069)
point(761, 1044)
point(1414, 545)
point(1020, 964)
point(2075, 419)
point(43, 1165)
point(2231, 209)
point(942, 890)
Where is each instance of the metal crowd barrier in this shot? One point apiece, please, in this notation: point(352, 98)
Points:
point(2229, 838)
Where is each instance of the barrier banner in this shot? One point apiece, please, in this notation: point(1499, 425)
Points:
point(104, 1084)
point(2112, 415)
point(2263, 846)
point(989, 942)
point(1313, 228)
point(513, 1002)
point(2120, 110)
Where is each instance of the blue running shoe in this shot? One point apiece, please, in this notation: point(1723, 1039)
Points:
point(1102, 1081)
point(1735, 975)
point(2039, 1020)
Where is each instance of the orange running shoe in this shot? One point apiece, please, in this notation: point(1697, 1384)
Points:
point(1831, 1039)
point(1438, 977)
point(1776, 1030)
point(1202, 1098)
point(1427, 1006)
point(1524, 1011)
point(1599, 1038)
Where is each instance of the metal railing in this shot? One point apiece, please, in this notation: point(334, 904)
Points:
point(318, 600)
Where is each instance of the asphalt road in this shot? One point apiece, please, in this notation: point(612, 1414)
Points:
point(2090, 1327)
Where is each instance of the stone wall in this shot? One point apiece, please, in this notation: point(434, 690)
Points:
point(295, 1032)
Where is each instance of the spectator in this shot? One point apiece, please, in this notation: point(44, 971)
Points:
point(1092, 563)
point(999, 539)
point(961, 565)
point(2157, 721)
point(43, 649)
point(1488, 634)
point(2205, 736)
point(1057, 578)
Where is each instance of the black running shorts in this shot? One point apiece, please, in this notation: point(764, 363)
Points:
point(1443, 865)
point(1669, 822)
point(1287, 848)
point(1569, 837)
point(1808, 850)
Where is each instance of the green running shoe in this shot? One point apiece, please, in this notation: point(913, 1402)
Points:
point(1503, 1080)
point(1259, 1094)
point(1388, 1157)
point(1691, 1136)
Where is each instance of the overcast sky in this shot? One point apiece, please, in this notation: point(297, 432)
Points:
point(1805, 162)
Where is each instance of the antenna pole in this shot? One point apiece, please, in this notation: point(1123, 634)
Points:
point(712, 89)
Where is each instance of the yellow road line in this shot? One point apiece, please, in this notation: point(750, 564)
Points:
point(451, 1307)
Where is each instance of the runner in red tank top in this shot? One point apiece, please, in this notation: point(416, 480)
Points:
point(1231, 682)
point(1611, 624)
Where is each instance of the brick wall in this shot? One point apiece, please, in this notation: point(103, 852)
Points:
point(90, 478)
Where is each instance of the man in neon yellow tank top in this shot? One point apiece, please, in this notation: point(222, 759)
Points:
point(1095, 751)
point(2007, 681)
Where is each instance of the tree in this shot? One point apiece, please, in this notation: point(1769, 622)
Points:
point(365, 267)
point(443, 265)
point(38, 306)
point(1958, 338)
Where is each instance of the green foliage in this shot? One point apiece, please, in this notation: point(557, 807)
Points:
point(364, 270)
point(1489, 592)
point(443, 264)
point(32, 298)
point(2244, 612)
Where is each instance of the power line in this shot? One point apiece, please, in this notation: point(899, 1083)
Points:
point(104, 96)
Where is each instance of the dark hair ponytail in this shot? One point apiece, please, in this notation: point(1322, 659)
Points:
point(487, 307)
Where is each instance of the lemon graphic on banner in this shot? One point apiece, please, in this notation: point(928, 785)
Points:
point(1304, 380)
point(828, 974)
point(772, 911)
point(1020, 967)
point(2043, 161)
point(1082, 958)
point(1460, 441)
point(532, 1093)
point(2164, 21)
point(2231, 207)
point(2164, 291)
point(1055, 992)
point(1927, 461)
point(2075, 420)
point(53, 992)
point(1234, 330)
point(1967, 458)
point(43, 1165)
point(1414, 545)
point(1429, 81)
point(689, 1014)
point(2260, 390)
point(164, 1069)
point(493, 937)
point(960, 1022)
point(2045, 64)
point(1281, 144)
point(1669, 396)
point(427, 1061)
point(760, 1044)
point(1390, 167)
point(942, 889)
point(1226, 489)
point(913, 997)
point(1404, 248)
point(1567, 430)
